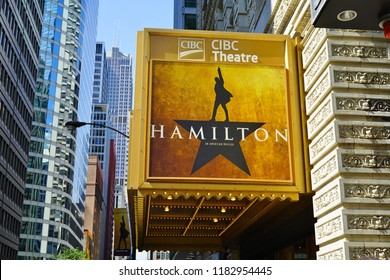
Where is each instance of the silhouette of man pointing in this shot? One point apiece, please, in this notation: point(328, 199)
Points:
point(124, 233)
point(222, 96)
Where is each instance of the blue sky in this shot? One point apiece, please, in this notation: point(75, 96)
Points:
point(125, 17)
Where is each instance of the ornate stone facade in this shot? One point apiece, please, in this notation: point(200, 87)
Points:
point(319, 90)
point(366, 161)
point(322, 144)
point(346, 79)
point(364, 104)
point(329, 228)
point(328, 198)
point(342, 250)
point(360, 77)
point(320, 117)
point(333, 255)
point(376, 222)
point(370, 253)
point(359, 51)
point(324, 170)
point(365, 132)
point(368, 191)
point(347, 85)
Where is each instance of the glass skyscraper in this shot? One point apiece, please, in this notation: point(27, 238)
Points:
point(20, 29)
point(100, 85)
point(58, 157)
point(120, 98)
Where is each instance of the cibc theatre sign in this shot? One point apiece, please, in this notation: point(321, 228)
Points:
point(220, 108)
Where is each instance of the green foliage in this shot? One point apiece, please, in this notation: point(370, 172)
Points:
point(72, 254)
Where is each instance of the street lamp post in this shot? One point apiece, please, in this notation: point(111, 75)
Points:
point(77, 124)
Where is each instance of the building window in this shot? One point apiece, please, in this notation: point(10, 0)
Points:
point(190, 3)
point(190, 21)
point(99, 48)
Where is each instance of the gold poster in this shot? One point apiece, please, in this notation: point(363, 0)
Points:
point(122, 241)
point(219, 121)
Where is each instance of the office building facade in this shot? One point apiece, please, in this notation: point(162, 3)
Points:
point(109, 235)
point(20, 31)
point(53, 211)
point(99, 145)
point(185, 12)
point(100, 89)
point(346, 102)
point(99, 141)
point(94, 206)
point(120, 99)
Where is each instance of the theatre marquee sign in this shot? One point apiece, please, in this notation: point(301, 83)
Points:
point(220, 108)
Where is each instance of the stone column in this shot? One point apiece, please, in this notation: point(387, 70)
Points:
point(347, 85)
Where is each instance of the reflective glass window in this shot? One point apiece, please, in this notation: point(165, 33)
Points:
point(46, 74)
point(58, 23)
point(48, 131)
point(49, 117)
point(52, 91)
point(46, 59)
point(36, 245)
point(57, 36)
point(50, 106)
point(60, 9)
point(56, 49)
point(55, 63)
point(52, 247)
point(53, 77)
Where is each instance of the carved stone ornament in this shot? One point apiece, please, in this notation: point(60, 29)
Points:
point(326, 199)
point(368, 191)
point(283, 14)
point(320, 117)
point(313, 44)
point(363, 104)
point(369, 222)
point(304, 22)
point(364, 132)
point(324, 170)
point(315, 67)
point(322, 143)
point(362, 78)
point(313, 96)
point(329, 228)
point(370, 253)
point(366, 161)
point(333, 255)
point(359, 51)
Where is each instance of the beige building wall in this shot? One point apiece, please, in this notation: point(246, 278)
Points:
point(346, 82)
point(93, 204)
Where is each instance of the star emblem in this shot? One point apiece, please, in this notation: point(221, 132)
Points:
point(220, 138)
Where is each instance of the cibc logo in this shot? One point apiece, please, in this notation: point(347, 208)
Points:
point(191, 49)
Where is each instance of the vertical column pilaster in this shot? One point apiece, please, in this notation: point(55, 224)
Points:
point(347, 85)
